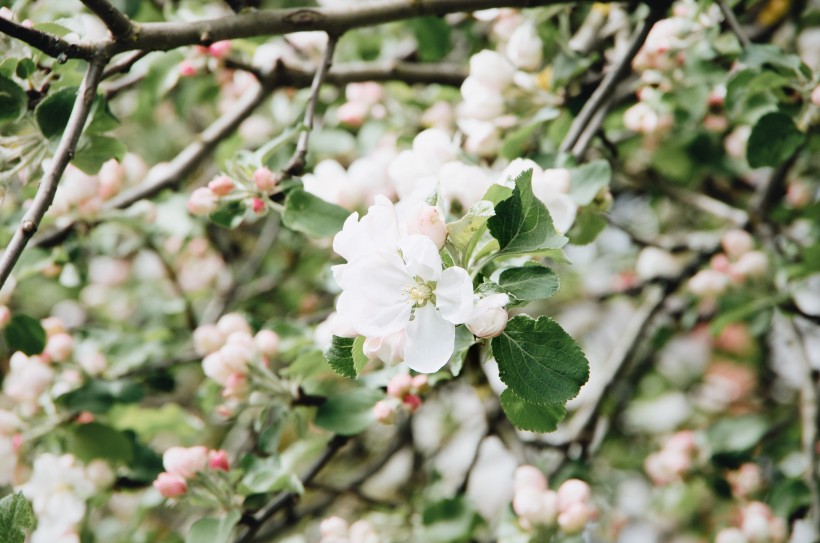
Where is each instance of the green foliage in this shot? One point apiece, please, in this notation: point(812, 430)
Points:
point(16, 517)
point(449, 521)
point(348, 413)
point(529, 416)
point(25, 334)
point(774, 139)
point(311, 215)
point(95, 150)
point(264, 475)
point(13, 100)
point(433, 37)
point(99, 396)
point(736, 435)
point(213, 530)
point(95, 440)
point(588, 180)
point(53, 112)
point(522, 223)
point(462, 233)
point(539, 361)
point(346, 356)
point(529, 283)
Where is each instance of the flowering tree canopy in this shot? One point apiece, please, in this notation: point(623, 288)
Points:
point(363, 271)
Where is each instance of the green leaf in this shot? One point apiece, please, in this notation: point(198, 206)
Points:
point(13, 100)
point(98, 396)
point(213, 530)
point(522, 223)
point(461, 232)
point(349, 412)
point(759, 55)
point(497, 193)
point(311, 215)
point(449, 521)
point(53, 112)
point(737, 434)
point(102, 118)
point(586, 228)
point(266, 475)
point(95, 440)
point(587, 181)
point(25, 68)
point(230, 215)
point(464, 340)
point(433, 37)
point(529, 416)
point(774, 139)
point(52, 28)
point(96, 150)
point(25, 334)
point(16, 517)
point(529, 283)
point(539, 361)
point(346, 356)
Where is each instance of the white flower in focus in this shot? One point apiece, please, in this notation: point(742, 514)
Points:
point(394, 283)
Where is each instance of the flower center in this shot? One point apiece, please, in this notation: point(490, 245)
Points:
point(418, 293)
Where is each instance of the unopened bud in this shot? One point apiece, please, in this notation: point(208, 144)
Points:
point(203, 201)
point(222, 185)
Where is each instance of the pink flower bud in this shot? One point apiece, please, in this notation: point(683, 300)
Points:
point(86, 417)
point(745, 480)
point(222, 185)
point(170, 485)
point(426, 220)
point(236, 386)
point(110, 177)
point(353, 113)
point(751, 264)
point(412, 401)
point(219, 49)
point(216, 368)
point(52, 326)
point(368, 92)
point(267, 341)
point(187, 68)
point(736, 243)
point(400, 385)
point(59, 347)
point(571, 492)
point(208, 338)
point(185, 462)
point(720, 262)
point(218, 460)
point(527, 476)
point(384, 412)
point(258, 206)
point(708, 283)
point(536, 506)
point(5, 316)
point(237, 356)
point(489, 318)
point(683, 441)
point(420, 384)
point(17, 441)
point(202, 201)
point(574, 518)
point(264, 180)
point(799, 194)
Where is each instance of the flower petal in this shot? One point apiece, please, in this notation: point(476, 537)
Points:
point(420, 257)
point(454, 295)
point(430, 341)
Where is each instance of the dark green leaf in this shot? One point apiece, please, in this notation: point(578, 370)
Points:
point(25, 68)
point(349, 412)
point(529, 283)
point(529, 416)
point(53, 112)
point(774, 139)
point(25, 334)
point(13, 100)
point(539, 361)
point(311, 215)
point(16, 517)
point(96, 150)
point(433, 37)
point(95, 440)
point(230, 215)
point(346, 356)
point(522, 223)
point(98, 396)
point(213, 530)
point(449, 521)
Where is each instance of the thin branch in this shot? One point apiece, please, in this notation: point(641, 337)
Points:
point(118, 23)
point(190, 315)
point(287, 498)
point(170, 35)
point(604, 91)
point(48, 185)
point(733, 23)
point(49, 44)
point(297, 164)
point(125, 65)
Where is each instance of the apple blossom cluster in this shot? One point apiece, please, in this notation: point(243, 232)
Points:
point(738, 263)
point(183, 466)
point(403, 392)
point(58, 489)
point(363, 102)
point(205, 58)
point(253, 193)
point(674, 460)
point(236, 359)
point(568, 509)
point(756, 524)
point(337, 530)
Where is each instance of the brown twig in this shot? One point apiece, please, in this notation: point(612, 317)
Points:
point(118, 23)
point(733, 23)
point(49, 44)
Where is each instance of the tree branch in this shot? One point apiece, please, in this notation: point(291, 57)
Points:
point(297, 163)
point(733, 23)
point(603, 93)
point(49, 44)
point(124, 66)
point(118, 23)
point(48, 185)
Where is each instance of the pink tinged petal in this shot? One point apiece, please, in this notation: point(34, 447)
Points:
point(430, 341)
point(421, 257)
point(454, 295)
